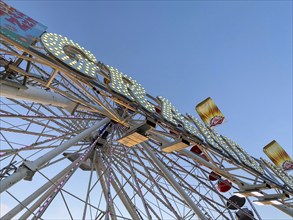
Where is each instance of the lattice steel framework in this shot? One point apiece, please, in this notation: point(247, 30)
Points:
point(60, 155)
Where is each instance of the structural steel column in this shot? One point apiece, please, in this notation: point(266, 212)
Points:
point(32, 166)
point(174, 183)
point(35, 195)
point(33, 94)
point(119, 191)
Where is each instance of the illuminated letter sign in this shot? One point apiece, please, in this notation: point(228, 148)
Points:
point(70, 53)
point(170, 114)
point(25, 31)
point(209, 137)
point(129, 88)
point(84, 62)
point(227, 146)
point(244, 156)
point(286, 178)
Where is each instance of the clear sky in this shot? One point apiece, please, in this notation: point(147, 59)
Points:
point(239, 53)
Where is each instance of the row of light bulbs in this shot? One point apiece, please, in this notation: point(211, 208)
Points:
point(55, 45)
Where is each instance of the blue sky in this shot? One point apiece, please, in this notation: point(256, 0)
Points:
point(239, 53)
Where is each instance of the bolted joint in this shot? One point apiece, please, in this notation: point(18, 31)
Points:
point(31, 169)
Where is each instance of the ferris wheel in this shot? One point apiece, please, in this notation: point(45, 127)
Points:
point(81, 140)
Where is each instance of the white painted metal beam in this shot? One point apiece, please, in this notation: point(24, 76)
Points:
point(33, 94)
point(174, 183)
point(32, 166)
